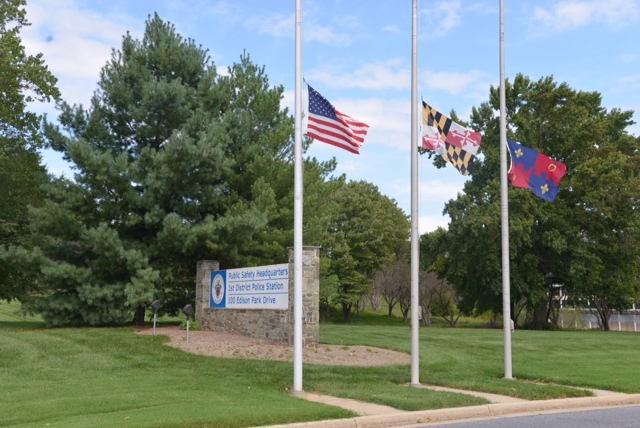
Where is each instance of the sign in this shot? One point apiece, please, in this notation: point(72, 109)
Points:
point(262, 287)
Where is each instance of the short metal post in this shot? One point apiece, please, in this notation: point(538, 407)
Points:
point(155, 305)
point(188, 311)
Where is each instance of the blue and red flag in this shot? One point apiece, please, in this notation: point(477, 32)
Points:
point(535, 171)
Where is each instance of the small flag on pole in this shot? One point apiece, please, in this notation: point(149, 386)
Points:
point(328, 125)
point(455, 143)
point(535, 171)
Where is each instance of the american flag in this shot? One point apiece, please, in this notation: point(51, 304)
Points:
point(328, 125)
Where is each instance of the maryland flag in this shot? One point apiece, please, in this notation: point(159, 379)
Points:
point(455, 143)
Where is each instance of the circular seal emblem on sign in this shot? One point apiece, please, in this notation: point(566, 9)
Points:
point(217, 291)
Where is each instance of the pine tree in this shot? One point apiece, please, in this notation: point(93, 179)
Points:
point(174, 163)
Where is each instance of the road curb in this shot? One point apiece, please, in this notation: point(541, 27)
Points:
point(462, 413)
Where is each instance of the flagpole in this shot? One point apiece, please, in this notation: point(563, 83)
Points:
point(297, 212)
point(415, 249)
point(504, 198)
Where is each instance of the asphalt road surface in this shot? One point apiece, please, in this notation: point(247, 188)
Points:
point(619, 417)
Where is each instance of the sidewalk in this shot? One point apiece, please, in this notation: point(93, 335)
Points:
point(378, 416)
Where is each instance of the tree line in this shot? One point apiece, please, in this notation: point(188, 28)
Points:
point(174, 162)
point(584, 245)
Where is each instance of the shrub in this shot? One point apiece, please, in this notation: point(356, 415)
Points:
point(193, 325)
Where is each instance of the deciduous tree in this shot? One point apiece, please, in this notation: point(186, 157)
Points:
point(23, 79)
point(579, 240)
point(367, 231)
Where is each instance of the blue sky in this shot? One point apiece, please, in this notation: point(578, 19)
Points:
point(357, 53)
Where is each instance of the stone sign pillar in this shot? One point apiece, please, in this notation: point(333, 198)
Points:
point(203, 282)
point(310, 296)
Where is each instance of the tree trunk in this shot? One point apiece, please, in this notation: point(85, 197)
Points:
point(553, 311)
point(493, 323)
point(515, 313)
point(346, 311)
point(604, 313)
point(376, 300)
point(391, 309)
point(426, 316)
point(540, 314)
point(452, 318)
point(405, 313)
point(138, 317)
point(362, 304)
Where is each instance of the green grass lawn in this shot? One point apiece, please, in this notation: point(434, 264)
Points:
point(113, 377)
point(474, 358)
point(9, 316)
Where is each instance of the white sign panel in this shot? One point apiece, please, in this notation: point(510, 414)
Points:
point(262, 287)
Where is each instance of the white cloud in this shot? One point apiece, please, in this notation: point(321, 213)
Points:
point(222, 70)
point(392, 29)
point(220, 8)
point(572, 14)
point(352, 166)
point(347, 21)
point(392, 74)
point(429, 223)
point(340, 33)
point(628, 58)
point(473, 84)
point(75, 44)
point(434, 193)
point(452, 82)
point(629, 82)
point(634, 129)
point(314, 32)
point(625, 85)
point(282, 26)
point(288, 100)
point(389, 120)
point(442, 191)
point(55, 164)
point(275, 25)
point(443, 17)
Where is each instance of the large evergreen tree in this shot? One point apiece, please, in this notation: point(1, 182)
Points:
point(23, 78)
point(173, 164)
point(584, 243)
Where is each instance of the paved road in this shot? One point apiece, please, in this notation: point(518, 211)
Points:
point(619, 417)
point(606, 409)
